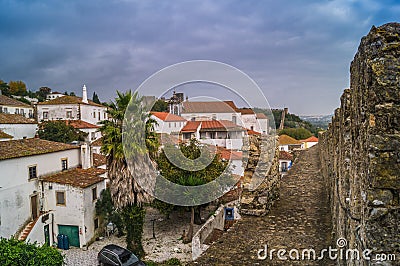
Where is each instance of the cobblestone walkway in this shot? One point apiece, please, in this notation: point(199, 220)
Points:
point(300, 219)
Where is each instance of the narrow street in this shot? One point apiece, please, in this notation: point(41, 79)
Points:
point(300, 220)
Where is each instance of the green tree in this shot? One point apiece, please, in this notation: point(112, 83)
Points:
point(105, 209)
point(42, 93)
point(61, 132)
point(5, 89)
point(127, 196)
point(191, 150)
point(72, 93)
point(160, 106)
point(18, 253)
point(95, 98)
point(17, 88)
point(297, 133)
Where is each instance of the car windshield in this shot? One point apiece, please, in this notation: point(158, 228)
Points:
point(128, 259)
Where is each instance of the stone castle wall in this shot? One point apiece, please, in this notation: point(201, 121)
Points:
point(360, 152)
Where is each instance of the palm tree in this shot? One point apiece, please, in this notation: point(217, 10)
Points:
point(127, 195)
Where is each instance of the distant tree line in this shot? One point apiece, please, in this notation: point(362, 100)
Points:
point(19, 88)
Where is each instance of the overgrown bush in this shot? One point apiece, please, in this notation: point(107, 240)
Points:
point(18, 253)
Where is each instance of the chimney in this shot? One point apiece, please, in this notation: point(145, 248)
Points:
point(84, 94)
point(86, 156)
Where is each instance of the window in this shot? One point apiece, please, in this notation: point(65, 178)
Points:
point(99, 115)
point(93, 135)
point(16, 111)
point(64, 164)
point(60, 198)
point(94, 114)
point(94, 193)
point(5, 110)
point(105, 116)
point(1, 109)
point(45, 115)
point(69, 114)
point(96, 223)
point(32, 172)
point(21, 111)
point(30, 113)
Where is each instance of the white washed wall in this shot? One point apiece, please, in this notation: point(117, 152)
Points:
point(20, 131)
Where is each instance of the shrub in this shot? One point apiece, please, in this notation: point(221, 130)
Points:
point(16, 253)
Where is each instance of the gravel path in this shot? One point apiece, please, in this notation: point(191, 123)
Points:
point(166, 245)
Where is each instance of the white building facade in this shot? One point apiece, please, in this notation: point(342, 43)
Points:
point(12, 106)
point(72, 108)
point(17, 126)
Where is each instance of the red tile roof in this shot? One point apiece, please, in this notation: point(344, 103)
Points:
point(310, 139)
point(99, 159)
point(77, 177)
point(168, 117)
point(229, 154)
point(4, 100)
point(284, 155)
point(98, 142)
point(211, 125)
point(15, 119)
point(69, 100)
point(220, 125)
point(79, 124)
point(252, 132)
point(28, 147)
point(191, 126)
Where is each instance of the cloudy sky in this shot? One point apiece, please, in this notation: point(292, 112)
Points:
point(298, 52)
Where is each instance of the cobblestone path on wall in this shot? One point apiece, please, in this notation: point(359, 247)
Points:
point(300, 219)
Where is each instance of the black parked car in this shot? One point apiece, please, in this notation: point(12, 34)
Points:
point(117, 256)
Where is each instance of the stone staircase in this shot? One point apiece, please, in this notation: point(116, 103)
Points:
point(28, 228)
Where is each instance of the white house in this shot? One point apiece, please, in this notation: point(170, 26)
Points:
point(72, 196)
point(309, 142)
point(22, 162)
point(96, 145)
point(235, 159)
point(167, 122)
point(221, 133)
point(285, 161)
point(262, 123)
point(215, 110)
point(72, 108)
point(11, 106)
point(91, 129)
point(48, 188)
point(17, 126)
point(287, 143)
point(54, 95)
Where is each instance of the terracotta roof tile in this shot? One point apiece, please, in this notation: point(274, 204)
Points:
point(28, 147)
point(252, 132)
point(77, 177)
point(168, 117)
point(284, 155)
point(4, 135)
point(207, 107)
point(191, 126)
point(15, 119)
point(99, 159)
point(223, 125)
point(287, 140)
point(79, 124)
point(4, 100)
point(229, 154)
point(98, 142)
point(69, 100)
point(310, 139)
